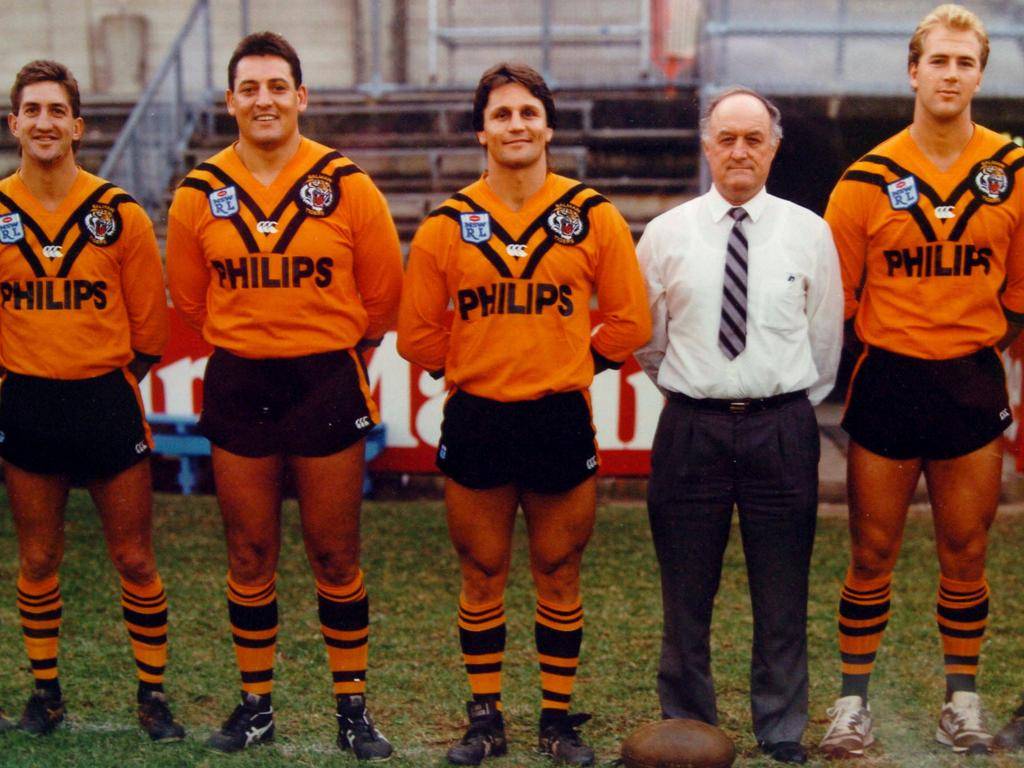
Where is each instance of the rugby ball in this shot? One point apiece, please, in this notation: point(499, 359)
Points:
point(678, 744)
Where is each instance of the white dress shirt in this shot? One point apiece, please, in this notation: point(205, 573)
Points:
point(794, 300)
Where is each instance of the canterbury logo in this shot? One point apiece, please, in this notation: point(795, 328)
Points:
point(267, 227)
point(516, 250)
point(52, 252)
point(944, 212)
point(362, 422)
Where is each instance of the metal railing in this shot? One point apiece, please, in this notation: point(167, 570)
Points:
point(149, 150)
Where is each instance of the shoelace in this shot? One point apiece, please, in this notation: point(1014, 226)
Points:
point(968, 719)
point(852, 717)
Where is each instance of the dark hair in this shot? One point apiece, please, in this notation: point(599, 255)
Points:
point(503, 74)
point(774, 116)
point(46, 71)
point(43, 71)
point(265, 44)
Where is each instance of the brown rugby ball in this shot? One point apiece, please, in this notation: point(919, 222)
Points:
point(678, 744)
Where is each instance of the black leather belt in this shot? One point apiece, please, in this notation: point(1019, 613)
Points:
point(740, 404)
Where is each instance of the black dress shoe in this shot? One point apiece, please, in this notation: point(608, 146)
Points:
point(786, 751)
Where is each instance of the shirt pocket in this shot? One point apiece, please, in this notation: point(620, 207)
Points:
point(783, 299)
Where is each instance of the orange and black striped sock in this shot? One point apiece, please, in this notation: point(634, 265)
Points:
point(345, 624)
point(961, 612)
point(864, 609)
point(558, 631)
point(482, 637)
point(144, 608)
point(40, 606)
point(253, 613)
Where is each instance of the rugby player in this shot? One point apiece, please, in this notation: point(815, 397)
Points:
point(929, 222)
point(519, 253)
point(83, 316)
point(284, 255)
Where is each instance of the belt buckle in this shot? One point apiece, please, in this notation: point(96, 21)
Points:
point(739, 406)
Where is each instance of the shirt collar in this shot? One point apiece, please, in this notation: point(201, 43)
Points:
point(720, 207)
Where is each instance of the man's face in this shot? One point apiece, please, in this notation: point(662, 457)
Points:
point(265, 102)
point(739, 147)
point(516, 132)
point(44, 125)
point(948, 74)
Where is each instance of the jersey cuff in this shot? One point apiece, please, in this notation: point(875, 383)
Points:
point(602, 363)
point(1014, 317)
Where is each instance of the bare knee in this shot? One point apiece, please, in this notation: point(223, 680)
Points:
point(136, 566)
point(558, 579)
point(963, 557)
point(252, 563)
point(39, 563)
point(336, 567)
point(483, 581)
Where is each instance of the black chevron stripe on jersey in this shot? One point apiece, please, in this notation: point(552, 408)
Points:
point(27, 221)
point(243, 231)
point(76, 218)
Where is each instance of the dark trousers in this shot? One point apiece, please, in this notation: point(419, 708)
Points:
point(766, 464)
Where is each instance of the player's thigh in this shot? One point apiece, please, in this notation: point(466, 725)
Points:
point(879, 494)
point(560, 525)
point(480, 525)
point(329, 490)
point(964, 492)
point(249, 496)
point(125, 504)
point(37, 505)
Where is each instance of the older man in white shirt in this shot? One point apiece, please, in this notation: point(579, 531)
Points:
point(746, 298)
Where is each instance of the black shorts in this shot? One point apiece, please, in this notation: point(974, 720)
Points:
point(544, 445)
point(906, 407)
point(85, 429)
point(313, 405)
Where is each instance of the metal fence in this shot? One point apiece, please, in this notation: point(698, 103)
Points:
point(150, 148)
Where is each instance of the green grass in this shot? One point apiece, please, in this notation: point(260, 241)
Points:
point(416, 684)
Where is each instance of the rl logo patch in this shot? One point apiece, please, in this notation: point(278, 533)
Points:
point(224, 202)
point(11, 230)
point(476, 227)
point(903, 193)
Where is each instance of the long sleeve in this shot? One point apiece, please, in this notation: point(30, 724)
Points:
point(142, 285)
point(376, 258)
point(188, 276)
point(424, 325)
point(626, 321)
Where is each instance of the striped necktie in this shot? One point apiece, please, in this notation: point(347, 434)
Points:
point(732, 333)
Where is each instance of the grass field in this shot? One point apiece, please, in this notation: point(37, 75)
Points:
point(416, 684)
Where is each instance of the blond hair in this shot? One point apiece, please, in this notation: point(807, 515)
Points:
point(951, 16)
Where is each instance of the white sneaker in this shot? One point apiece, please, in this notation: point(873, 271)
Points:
point(850, 731)
point(960, 725)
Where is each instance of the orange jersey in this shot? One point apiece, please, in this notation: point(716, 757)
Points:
point(520, 284)
point(308, 264)
point(81, 288)
point(940, 255)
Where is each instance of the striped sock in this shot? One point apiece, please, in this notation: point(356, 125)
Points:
point(864, 609)
point(253, 614)
point(558, 631)
point(961, 611)
point(345, 624)
point(144, 608)
point(482, 637)
point(40, 606)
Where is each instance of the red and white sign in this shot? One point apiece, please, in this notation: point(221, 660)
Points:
point(626, 405)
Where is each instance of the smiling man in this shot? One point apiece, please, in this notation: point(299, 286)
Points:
point(83, 316)
point(520, 253)
point(283, 254)
point(929, 231)
point(745, 299)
